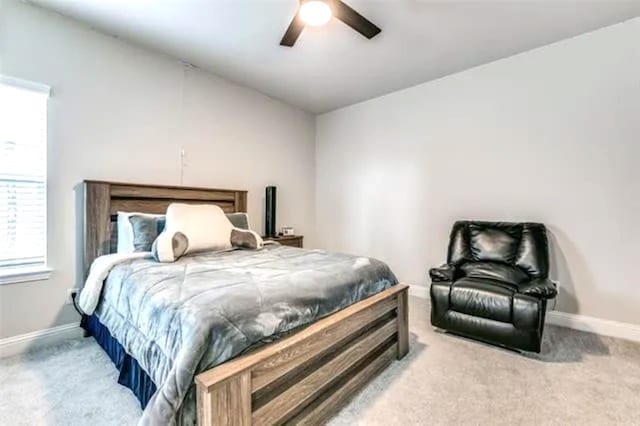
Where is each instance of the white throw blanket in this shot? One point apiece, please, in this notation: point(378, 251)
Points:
point(100, 268)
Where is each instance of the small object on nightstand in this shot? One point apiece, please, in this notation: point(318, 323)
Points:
point(288, 231)
point(287, 240)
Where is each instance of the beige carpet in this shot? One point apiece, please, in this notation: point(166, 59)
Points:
point(580, 378)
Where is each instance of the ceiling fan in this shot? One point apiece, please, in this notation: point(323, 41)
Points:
point(319, 12)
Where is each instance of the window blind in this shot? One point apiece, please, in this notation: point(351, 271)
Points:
point(23, 174)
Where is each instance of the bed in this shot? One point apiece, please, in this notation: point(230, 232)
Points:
point(280, 335)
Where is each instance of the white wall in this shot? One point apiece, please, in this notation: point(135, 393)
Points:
point(550, 135)
point(121, 113)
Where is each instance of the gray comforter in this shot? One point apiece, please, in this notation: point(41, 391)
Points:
point(180, 319)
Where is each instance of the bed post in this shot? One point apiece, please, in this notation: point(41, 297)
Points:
point(97, 204)
point(227, 403)
point(403, 323)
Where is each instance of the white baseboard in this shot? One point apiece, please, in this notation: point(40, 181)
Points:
point(595, 325)
point(577, 322)
point(18, 344)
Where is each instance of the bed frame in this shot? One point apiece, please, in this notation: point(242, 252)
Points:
point(301, 379)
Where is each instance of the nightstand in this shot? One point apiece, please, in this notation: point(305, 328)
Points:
point(287, 240)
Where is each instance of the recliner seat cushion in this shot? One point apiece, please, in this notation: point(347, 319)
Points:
point(483, 297)
point(495, 271)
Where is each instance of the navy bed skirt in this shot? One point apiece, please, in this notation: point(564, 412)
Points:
point(131, 374)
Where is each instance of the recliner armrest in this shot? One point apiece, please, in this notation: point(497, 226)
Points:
point(540, 287)
point(442, 273)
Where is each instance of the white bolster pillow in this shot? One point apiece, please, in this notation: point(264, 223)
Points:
point(169, 246)
point(205, 226)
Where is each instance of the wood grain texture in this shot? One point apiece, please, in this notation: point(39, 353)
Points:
point(151, 186)
point(241, 201)
point(159, 206)
point(101, 199)
point(270, 369)
point(284, 355)
point(97, 231)
point(403, 324)
point(308, 388)
point(262, 396)
point(142, 192)
point(308, 376)
point(228, 404)
point(317, 414)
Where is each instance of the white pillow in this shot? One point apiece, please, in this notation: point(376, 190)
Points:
point(205, 226)
point(125, 231)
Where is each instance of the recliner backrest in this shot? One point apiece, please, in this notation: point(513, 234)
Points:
point(519, 244)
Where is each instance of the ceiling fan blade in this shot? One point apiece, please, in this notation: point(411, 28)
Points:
point(353, 19)
point(293, 32)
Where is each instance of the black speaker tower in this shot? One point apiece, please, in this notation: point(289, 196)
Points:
point(270, 212)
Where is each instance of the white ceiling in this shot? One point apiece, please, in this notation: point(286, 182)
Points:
point(334, 66)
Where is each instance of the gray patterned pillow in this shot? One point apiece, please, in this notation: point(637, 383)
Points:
point(145, 231)
point(239, 220)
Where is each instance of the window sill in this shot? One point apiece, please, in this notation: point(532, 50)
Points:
point(18, 275)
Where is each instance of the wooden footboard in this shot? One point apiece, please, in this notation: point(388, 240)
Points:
point(308, 376)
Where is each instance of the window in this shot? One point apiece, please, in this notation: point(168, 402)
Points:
point(23, 175)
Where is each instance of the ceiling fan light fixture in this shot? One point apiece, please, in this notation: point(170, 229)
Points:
point(319, 12)
point(315, 12)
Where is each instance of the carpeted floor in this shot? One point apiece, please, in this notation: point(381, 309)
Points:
point(579, 378)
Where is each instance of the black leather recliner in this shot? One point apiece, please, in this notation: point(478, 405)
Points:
point(495, 284)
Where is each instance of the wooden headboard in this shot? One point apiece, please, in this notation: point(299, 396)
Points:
point(104, 199)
